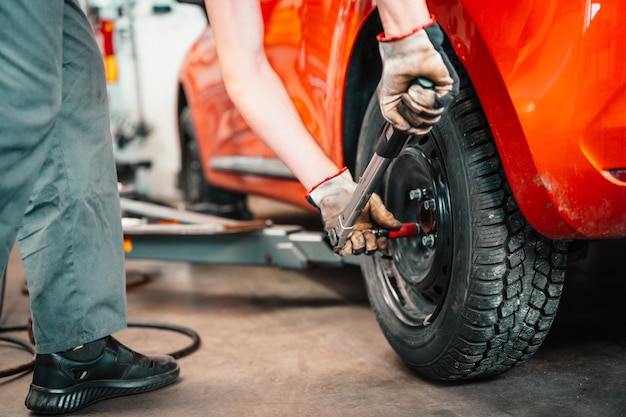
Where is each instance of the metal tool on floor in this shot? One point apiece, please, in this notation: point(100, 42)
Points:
point(154, 231)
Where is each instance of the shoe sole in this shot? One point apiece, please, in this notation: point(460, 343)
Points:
point(66, 400)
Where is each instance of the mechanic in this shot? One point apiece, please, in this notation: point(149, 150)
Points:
point(410, 47)
point(59, 198)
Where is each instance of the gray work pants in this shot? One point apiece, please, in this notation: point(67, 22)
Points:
point(58, 185)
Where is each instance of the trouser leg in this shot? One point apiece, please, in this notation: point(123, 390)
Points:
point(70, 238)
point(26, 115)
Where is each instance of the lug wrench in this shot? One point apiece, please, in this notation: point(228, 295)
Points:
point(388, 147)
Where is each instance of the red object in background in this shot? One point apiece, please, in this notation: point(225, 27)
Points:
point(107, 30)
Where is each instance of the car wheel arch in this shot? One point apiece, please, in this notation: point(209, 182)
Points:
point(363, 73)
point(480, 65)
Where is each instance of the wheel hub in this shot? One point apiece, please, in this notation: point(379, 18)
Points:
point(416, 274)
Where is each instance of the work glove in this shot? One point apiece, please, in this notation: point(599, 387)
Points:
point(405, 59)
point(332, 195)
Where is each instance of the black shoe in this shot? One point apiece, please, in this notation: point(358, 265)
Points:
point(62, 385)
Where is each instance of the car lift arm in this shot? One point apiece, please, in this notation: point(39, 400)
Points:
point(211, 239)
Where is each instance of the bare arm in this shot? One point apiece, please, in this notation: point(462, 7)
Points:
point(259, 94)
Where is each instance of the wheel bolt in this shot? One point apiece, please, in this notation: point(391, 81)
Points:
point(428, 240)
point(418, 194)
point(430, 205)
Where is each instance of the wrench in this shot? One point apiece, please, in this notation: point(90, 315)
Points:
point(390, 143)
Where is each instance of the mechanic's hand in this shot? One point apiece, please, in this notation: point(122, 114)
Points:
point(332, 196)
point(418, 55)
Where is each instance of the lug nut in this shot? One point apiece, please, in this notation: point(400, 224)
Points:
point(418, 194)
point(428, 241)
point(430, 205)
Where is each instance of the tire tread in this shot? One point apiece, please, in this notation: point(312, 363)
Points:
point(505, 322)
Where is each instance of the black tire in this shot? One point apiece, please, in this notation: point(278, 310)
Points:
point(476, 293)
point(198, 194)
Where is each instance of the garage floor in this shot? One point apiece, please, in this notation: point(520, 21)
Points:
point(305, 343)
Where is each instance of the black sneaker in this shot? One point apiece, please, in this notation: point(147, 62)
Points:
point(61, 385)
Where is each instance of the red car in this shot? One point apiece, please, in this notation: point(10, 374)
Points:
point(530, 157)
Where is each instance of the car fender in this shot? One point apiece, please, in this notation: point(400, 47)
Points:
point(532, 65)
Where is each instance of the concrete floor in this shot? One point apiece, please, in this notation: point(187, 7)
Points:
point(305, 343)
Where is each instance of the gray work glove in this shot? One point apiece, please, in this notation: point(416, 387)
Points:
point(332, 196)
point(419, 55)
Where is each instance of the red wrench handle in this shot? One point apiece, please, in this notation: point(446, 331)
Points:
point(405, 230)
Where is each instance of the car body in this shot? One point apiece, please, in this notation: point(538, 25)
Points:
point(541, 114)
